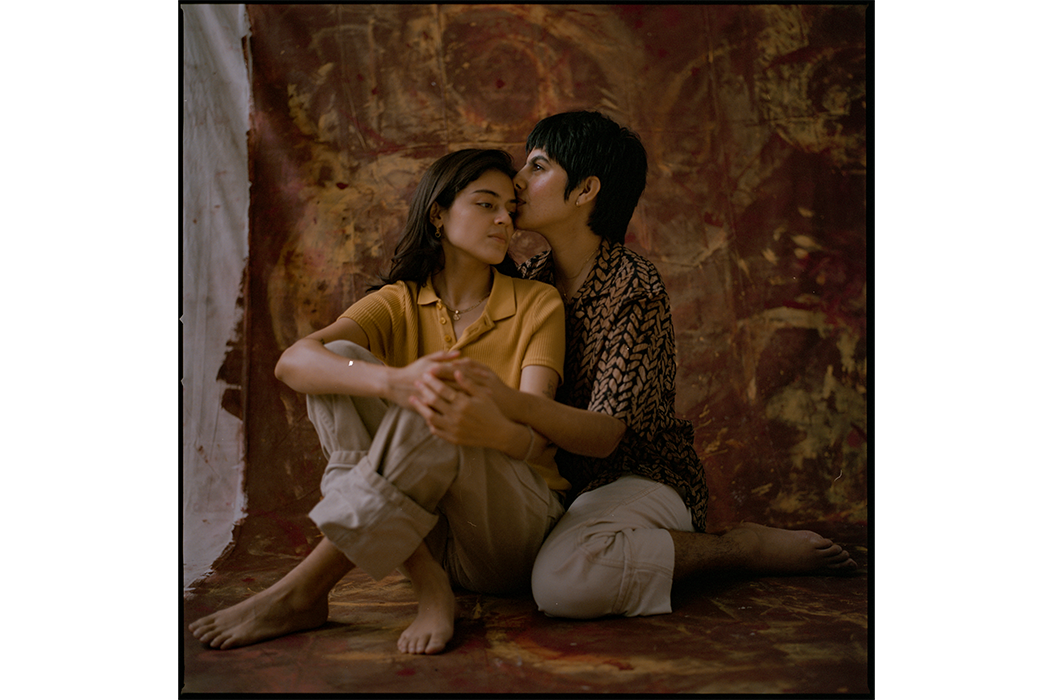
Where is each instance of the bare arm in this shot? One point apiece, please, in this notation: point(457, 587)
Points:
point(307, 367)
point(576, 430)
point(463, 412)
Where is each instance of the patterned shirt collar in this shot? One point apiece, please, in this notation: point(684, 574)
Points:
point(544, 269)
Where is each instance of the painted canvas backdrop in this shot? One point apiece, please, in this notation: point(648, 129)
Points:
point(755, 121)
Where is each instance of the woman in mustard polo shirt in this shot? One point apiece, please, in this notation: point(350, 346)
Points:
point(394, 495)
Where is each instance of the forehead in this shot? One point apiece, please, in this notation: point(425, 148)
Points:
point(492, 181)
point(537, 154)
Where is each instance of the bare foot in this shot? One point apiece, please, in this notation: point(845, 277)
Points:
point(299, 601)
point(268, 614)
point(776, 551)
point(432, 628)
point(436, 607)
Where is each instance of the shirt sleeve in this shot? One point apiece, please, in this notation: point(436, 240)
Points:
point(636, 364)
point(379, 314)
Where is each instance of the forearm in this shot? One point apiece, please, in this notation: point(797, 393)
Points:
point(308, 368)
point(521, 441)
point(579, 431)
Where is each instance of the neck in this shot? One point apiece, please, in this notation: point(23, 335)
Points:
point(570, 253)
point(460, 286)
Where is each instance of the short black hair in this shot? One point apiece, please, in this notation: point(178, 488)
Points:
point(589, 143)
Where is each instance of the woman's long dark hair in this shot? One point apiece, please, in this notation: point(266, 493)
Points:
point(418, 254)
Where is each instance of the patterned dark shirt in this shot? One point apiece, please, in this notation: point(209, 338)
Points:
point(621, 360)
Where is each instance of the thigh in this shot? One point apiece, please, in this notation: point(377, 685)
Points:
point(346, 424)
point(598, 520)
point(631, 502)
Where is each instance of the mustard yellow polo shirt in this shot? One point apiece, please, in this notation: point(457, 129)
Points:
point(522, 325)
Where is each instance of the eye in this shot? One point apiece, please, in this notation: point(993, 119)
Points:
point(486, 205)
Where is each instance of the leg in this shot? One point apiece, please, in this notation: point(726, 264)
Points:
point(611, 554)
point(437, 511)
point(436, 605)
point(299, 601)
point(379, 511)
point(757, 549)
point(496, 516)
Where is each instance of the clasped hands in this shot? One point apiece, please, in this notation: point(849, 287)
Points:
point(456, 397)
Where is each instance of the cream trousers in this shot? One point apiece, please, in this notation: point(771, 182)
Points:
point(612, 554)
point(390, 484)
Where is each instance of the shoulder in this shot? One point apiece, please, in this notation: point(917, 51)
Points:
point(537, 300)
point(395, 296)
point(629, 273)
point(534, 289)
point(536, 267)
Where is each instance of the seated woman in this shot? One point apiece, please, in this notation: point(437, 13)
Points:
point(394, 494)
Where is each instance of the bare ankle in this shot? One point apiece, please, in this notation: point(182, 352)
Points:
point(698, 552)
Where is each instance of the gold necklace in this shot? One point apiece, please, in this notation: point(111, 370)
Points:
point(457, 312)
point(559, 287)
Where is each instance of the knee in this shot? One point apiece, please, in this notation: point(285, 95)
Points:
point(352, 351)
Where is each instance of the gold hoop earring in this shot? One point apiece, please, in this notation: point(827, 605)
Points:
point(438, 233)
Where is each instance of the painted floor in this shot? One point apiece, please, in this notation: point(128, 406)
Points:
point(801, 634)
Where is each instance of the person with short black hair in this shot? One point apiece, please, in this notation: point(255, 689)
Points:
point(636, 517)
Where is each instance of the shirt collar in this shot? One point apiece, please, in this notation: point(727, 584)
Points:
point(427, 294)
point(596, 281)
point(500, 305)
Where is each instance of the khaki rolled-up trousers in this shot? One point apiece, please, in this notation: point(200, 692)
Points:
point(390, 484)
point(612, 554)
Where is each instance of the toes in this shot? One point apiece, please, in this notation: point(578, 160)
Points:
point(434, 647)
point(409, 644)
point(818, 541)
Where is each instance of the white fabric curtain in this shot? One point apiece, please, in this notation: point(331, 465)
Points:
point(216, 96)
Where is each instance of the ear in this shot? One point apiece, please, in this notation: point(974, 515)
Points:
point(589, 189)
point(435, 215)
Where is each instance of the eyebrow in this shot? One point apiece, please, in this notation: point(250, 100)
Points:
point(492, 194)
point(538, 159)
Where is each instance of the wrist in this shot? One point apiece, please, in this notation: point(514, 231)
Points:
point(386, 381)
point(530, 446)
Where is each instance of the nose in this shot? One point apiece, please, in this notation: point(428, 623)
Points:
point(519, 181)
point(503, 216)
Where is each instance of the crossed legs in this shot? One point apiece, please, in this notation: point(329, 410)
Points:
point(383, 486)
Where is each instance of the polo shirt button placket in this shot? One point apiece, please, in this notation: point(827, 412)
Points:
point(447, 338)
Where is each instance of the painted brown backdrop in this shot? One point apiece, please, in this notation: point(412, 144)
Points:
point(755, 121)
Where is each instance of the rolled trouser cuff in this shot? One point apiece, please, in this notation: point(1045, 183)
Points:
point(374, 524)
